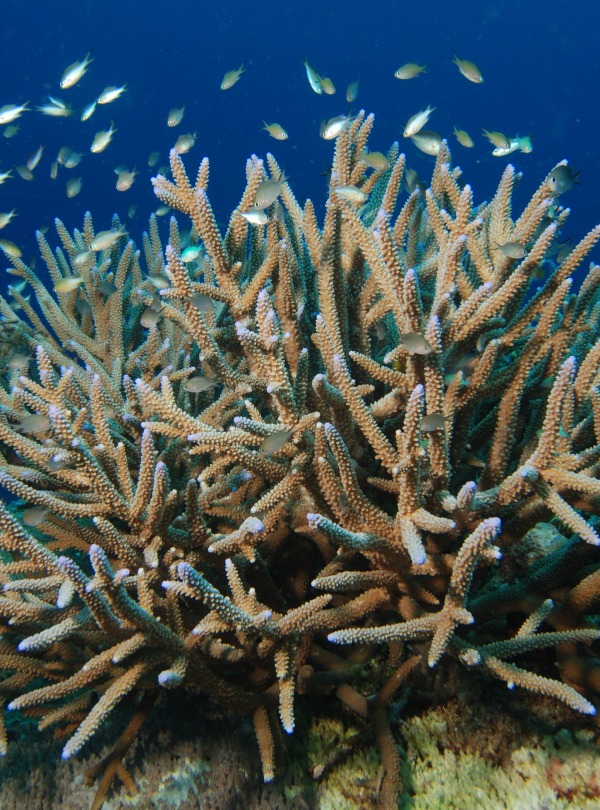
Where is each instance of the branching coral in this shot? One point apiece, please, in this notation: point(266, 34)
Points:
point(228, 473)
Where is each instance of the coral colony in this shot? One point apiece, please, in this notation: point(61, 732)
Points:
point(253, 465)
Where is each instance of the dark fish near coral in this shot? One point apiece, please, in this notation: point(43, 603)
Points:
point(196, 385)
point(268, 191)
point(274, 442)
point(433, 421)
point(428, 141)
point(415, 344)
point(512, 250)
point(107, 288)
point(563, 178)
point(34, 515)
point(36, 423)
point(203, 302)
point(150, 317)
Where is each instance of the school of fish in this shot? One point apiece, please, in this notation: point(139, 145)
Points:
point(265, 206)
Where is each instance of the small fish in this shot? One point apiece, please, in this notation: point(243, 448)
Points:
point(6, 218)
point(125, 178)
point(313, 78)
point(19, 361)
point(256, 217)
point(67, 285)
point(276, 131)
point(82, 258)
point(433, 422)
point(464, 139)
point(525, 144)
point(150, 317)
point(563, 178)
point(415, 343)
point(158, 281)
point(4, 176)
point(88, 111)
point(54, 170)
point(381, 331)
point(417, 122)
point(196, 385)
point(24, 173)
point(108, 288)
point(497, 139)
point(481, 343)
point(428, 141)
point(327, 85)
point(72, 160)
point(35, 423)
point(351, 193)
point(55, 109)
point(352, 91)
point(512, 250)
point(162, 210)
point(175, 116)
point(74, 72)
point(11, 130)
point(472, 461)
point(10, 112)
point(73, 186)
point(268, 191)
point(102, 139)
point(468, 69)
point(233, 76)
point(153, 159)
point(185, 142)
point(375, 160)
point(109, 411)
point(106, 239)
point(502, 151)
point(34, 515)
point(410, 71)
point(12, 250)
point(563, 253)
point(191, 253)
point(202, 302)
point(58, 102)
point(63, 154)
point(110, 94)
point(274, 442)
point(332, 128)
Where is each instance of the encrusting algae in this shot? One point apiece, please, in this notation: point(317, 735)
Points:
point(319, 457)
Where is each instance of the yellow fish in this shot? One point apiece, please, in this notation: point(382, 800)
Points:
point(464, 139)
point(233, 76)
point(468, 69)
point(102, 139)
point(410, 71)
point(276, 131)
point(74, 72)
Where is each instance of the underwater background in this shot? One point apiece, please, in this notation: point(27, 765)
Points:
point(539, 60)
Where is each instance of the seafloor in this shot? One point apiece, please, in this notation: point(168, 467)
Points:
point(489, 749)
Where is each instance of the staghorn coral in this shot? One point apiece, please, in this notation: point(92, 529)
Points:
point(314, 446)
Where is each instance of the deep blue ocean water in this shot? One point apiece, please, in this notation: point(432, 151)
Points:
point(539, 59)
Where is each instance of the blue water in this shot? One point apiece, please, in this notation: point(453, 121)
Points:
point(539, 59)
